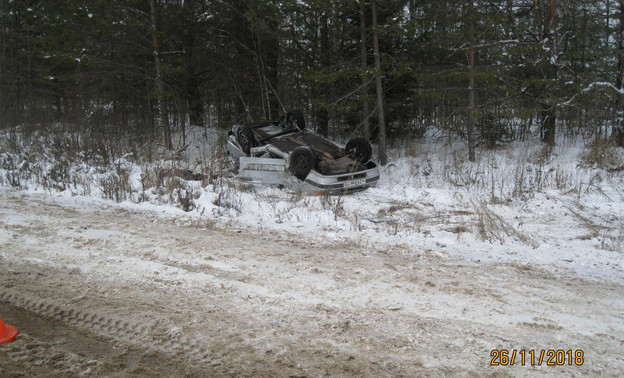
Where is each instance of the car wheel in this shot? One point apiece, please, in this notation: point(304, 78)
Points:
point(245, 138)
point(360, 149)
point(302, 160)
point(294, 118)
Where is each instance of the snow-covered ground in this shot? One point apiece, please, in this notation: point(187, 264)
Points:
point(518, 250)
point(96, 290)
point(515, 204)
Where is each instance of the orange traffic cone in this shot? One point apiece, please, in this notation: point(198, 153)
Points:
point(7, 333)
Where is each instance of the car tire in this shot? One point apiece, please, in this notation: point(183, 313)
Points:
point(294, 118)
point(245, 138)
point(302, 160)
point(360, 149)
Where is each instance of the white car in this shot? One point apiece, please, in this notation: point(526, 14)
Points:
point(283, 152)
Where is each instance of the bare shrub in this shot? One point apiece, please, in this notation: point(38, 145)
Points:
point(180, 193)
point(59, 176)
point(217, 165)
point(185, 198)
point(17, 162)
point(602, 153)
point(542, 156)
point(229, 197)
point(12, 174)
point(460, 173)
point(151, 177)
point(414, 148)
point(116, 185)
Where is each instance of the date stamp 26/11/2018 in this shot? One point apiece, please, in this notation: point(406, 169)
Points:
point(547, 357)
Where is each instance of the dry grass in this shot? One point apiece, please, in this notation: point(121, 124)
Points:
point(334, 203)
point(492, 227)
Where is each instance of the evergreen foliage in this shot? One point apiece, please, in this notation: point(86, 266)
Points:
point(546, 63)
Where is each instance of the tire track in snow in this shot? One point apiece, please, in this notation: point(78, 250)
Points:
point(109, 327)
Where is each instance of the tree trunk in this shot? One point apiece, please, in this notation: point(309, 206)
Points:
point(549, 111)
point(322, 113)
point(383, 158)
point(618, 131)
point(620, 50)
point(272, 55)
point(193, 95)
point(471, 85)
point(163, 121)
point(548, 124)
point(607, 22)
point(195, 104)
point(364, 62)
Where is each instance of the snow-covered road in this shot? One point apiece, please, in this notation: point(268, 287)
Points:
point(104, 291)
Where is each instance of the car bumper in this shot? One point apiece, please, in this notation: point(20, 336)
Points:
point(342, 183)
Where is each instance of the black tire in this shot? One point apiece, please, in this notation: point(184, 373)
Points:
point(360, 149)
point(302, 160)
point(294, 118)
point(245, 138)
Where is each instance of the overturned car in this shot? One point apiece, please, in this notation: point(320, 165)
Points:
point(283, 152)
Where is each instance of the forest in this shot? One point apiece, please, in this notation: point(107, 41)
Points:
point(487, 72)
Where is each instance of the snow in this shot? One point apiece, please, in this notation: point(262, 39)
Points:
point(511, 206)
point(593, 85)
point(323, 287)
